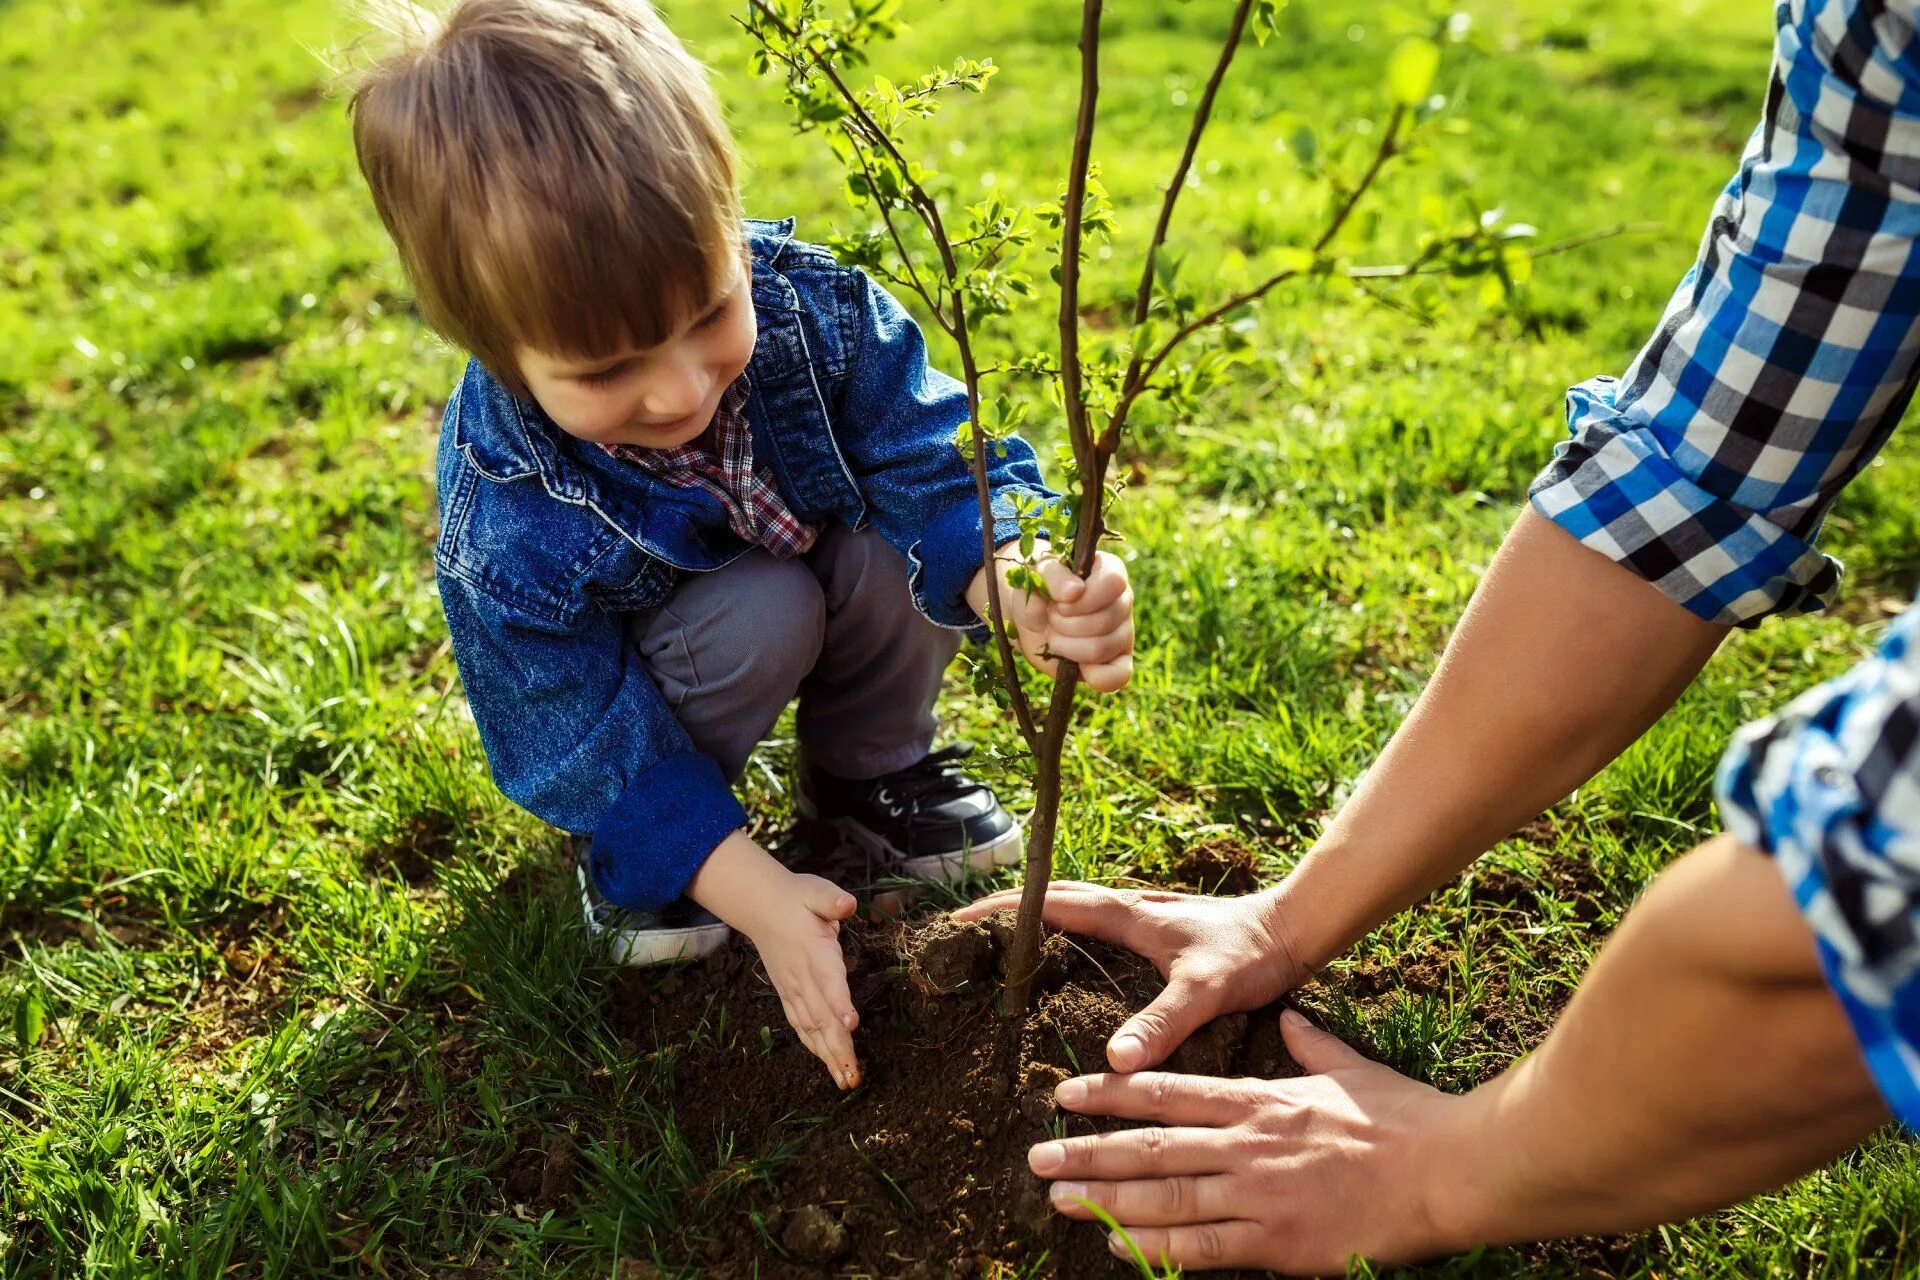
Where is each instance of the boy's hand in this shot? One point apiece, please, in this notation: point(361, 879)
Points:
point(794, 922)
point(1085, 620)
point(798, 938)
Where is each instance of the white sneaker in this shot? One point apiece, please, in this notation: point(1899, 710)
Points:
point(681, 930)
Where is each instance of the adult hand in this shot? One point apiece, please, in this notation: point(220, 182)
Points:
point(1294, 1176)
point(1218, 955)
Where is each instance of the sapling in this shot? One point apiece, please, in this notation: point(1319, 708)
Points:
point(964, 265)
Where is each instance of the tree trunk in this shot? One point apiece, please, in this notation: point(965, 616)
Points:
point(1041, 829)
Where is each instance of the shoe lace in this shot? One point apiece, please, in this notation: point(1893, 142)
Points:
point(935, 778)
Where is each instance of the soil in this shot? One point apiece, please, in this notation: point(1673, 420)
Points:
point(921, 1172)
point(1218, 865)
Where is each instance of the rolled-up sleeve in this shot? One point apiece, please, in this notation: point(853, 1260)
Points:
point(1788, 352)
point(577, 733)
point(1830, 788)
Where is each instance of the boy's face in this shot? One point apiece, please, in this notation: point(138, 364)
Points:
point(656, 398)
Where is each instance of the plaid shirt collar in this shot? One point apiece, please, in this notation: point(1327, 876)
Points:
point(720, 461)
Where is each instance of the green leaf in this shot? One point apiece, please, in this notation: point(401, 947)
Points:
point(1264, 20)
point(29, 1021)
point(1518, 262)
point(822, 110)
point(1305, 145)
point(1411, 69)
point(1292, 258)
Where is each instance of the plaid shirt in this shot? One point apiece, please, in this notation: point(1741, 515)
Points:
point(1783, 362)
point(755, 510)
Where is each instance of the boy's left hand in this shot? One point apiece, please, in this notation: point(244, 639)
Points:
point(1085, 620)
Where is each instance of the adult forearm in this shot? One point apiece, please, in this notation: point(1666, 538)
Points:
point(1561, 660)
point(1703, 1060)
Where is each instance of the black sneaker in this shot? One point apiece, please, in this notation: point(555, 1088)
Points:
point(681, 930)
point(929, 820)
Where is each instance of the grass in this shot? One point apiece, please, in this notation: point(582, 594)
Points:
point(291, 990)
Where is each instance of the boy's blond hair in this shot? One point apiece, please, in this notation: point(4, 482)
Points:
point(555, 173)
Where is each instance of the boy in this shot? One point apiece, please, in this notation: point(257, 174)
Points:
point(695, 468)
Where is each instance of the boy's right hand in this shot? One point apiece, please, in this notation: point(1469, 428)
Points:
point(794, 922)
point(798, 938)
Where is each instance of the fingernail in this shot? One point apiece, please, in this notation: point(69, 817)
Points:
point(1070, 1093)
point(1126, 1050)
point(1292, 1018)
point(1065, 1193)
point(1115, 1245)
point(846, 1019)
point(1046, 1157)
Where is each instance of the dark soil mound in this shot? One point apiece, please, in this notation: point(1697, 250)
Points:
point(923, 1170)
point(1219, 865)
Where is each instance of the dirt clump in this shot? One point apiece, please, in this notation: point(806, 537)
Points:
point(1212, 1050)
point(814, 1235)
point(946, 957)
point(922, 1171)
point(1218, 865)
point(543, 1175)
point(1570, 880)
point(1055, 949)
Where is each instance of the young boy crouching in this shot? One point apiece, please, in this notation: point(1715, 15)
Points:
point(694, 470)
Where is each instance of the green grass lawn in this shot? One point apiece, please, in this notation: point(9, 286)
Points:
point(290, 989)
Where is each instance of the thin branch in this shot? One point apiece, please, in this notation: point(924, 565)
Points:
point(929, 211)
point(1394, 304)
point(1072, 208)
point(892, 277)
point(906, 259)
point(983, 497)
point(950, 81)
point(1143, 300)
point(1389, 144)
point(1011, 370)
point(923, 204)
point(988, 254)
point(1399, 270)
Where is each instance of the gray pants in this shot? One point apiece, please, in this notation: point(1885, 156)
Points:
point(730, 649)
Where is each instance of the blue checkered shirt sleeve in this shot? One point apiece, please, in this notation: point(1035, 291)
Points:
point(1787, 353)
point(1831, 788)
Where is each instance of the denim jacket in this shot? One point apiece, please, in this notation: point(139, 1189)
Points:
point(546, 542)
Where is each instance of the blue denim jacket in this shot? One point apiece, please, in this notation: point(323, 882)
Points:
point(546, 541)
